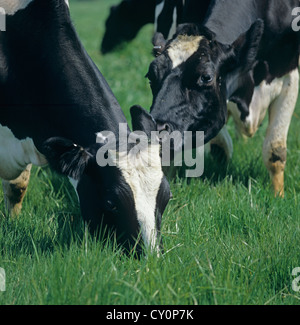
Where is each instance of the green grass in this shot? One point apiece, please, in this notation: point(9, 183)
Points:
point(227, 239)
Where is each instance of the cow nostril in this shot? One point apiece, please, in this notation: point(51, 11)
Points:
point(163, 127)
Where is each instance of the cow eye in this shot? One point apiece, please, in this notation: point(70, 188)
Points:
point(206, 79)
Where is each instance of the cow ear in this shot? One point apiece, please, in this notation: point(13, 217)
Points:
point(159, 44)
point(242, 55)
point(247, 45)
point(142, 120)
point(66, 157)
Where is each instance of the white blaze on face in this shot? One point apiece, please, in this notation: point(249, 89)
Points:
point(12, 6)
point(143, 173)
point(182, 48)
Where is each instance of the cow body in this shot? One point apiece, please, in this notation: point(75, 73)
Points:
point(53, 102)
point(245, 52)
point(126, 19)
point(170, 13)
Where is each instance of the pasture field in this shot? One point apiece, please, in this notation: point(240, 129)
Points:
point(227, 240)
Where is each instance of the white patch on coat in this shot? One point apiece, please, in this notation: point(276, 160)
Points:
point(12, 6)
point(279, 99)
point(144, 175)
point(280, 114)
point(100, 138)
point(16, 154)
point(158, 10)
point(182, 48)
point(174, 24)
point(263, 96)
point(74, 183)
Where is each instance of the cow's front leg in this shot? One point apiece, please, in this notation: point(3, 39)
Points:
point(15, 190)
point(275, 144)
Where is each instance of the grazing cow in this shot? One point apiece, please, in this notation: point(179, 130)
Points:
point(53, 102)
point(127, 18)
point(245, 52)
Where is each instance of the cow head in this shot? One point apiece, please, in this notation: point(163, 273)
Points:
point(194, 75)
point(127, 199)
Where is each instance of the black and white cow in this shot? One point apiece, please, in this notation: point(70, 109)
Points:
point(53, 102)
point(126, 19)
point(245, 52)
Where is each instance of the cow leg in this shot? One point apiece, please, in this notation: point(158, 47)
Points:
point(15, 190)
point(275, 144)
point(221, 146)
point(234, 112)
